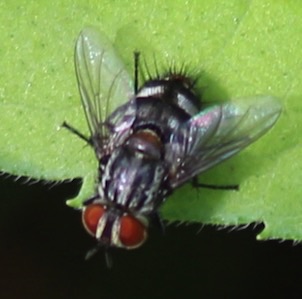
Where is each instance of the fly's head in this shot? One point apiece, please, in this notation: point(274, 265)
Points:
point(113, 228)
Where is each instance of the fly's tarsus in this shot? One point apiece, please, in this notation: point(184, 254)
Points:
point(136, 70)
point(76, 132)
point(196, 184)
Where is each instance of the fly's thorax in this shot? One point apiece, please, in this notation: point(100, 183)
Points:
point(146, 142)
point(112, 227)
point(134, 180)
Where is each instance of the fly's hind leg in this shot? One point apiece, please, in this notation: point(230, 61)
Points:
point(196, 184)
point(77, 133)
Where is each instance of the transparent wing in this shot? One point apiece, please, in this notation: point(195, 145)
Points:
point(218, 133)
point(103, 81)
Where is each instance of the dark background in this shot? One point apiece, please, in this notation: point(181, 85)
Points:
point(43, 244)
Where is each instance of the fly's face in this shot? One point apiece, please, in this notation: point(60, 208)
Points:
point(157, 138)
point(112, 228)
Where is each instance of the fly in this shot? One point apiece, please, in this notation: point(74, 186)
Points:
point(157, 138)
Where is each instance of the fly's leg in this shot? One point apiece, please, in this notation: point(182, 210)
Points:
point(136, 69)
point(94, 251)
point(157, 221)
point(77, 133)
point(91, 200)
point(196, 184)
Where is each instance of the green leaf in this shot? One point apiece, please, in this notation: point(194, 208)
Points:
point(242, 48)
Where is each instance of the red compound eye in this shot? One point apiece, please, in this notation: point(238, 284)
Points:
point(91, 216)
point(132, 232)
